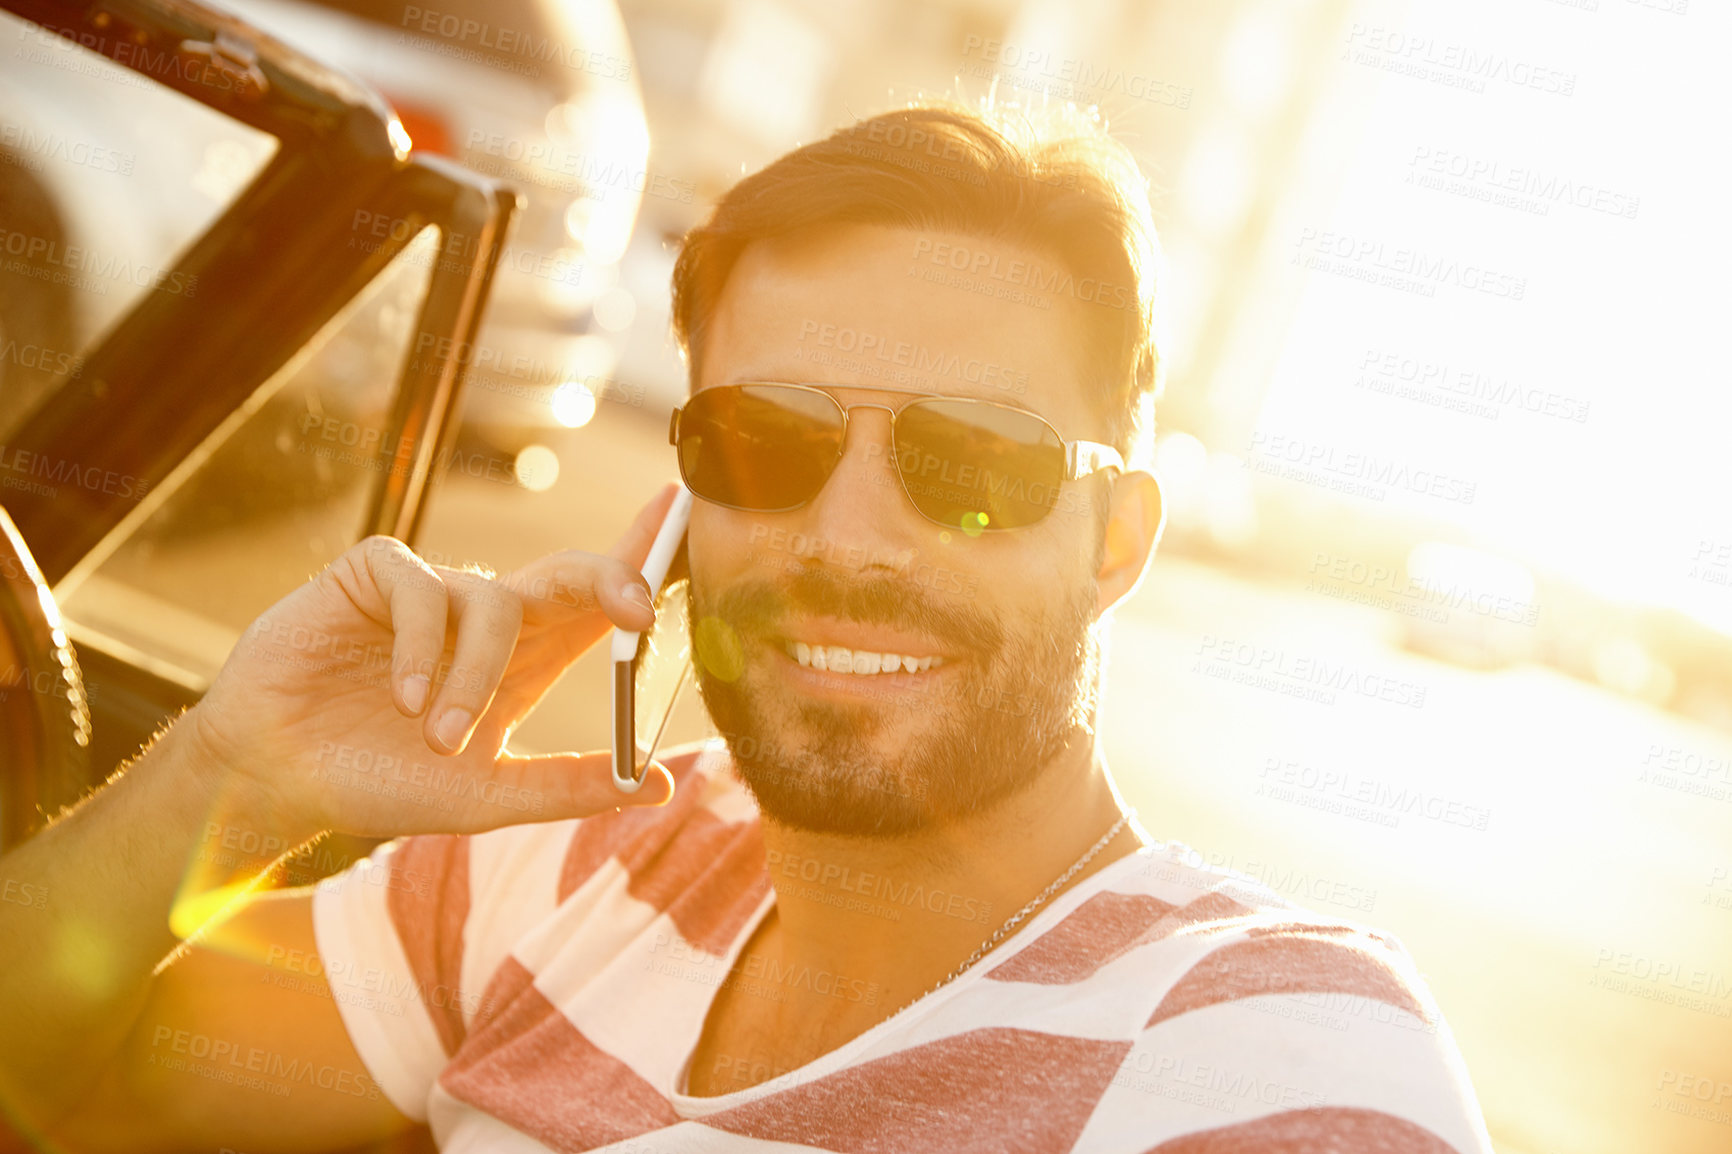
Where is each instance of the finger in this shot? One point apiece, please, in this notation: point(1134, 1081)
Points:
point(556, 786)
point(552, 586)
point(418, 604)
point(556, 585)
point(488, 617)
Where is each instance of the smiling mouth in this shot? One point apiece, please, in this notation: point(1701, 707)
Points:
point(860, 662)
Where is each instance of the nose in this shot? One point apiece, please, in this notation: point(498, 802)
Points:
point(862, 503)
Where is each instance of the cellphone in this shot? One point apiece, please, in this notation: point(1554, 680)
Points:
point(632, 650)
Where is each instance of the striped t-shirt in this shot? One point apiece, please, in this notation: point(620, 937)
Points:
point(542, 987)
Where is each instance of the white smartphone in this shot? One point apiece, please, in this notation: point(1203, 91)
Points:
point(630, 650)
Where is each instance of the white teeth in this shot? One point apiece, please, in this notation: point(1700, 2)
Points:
point(840, 659)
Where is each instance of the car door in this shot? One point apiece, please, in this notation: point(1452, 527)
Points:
point(231, 343)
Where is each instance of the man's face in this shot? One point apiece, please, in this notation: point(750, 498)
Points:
point(1006, 617)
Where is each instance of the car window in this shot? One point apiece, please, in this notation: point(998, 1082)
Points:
point(270, 497)
point(106, 176)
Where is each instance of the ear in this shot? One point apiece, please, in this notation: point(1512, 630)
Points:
point(1134, 523)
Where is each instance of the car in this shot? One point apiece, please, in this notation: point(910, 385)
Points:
point(542, 94)
point(134, 359)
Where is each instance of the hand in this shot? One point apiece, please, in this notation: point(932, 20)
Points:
point(377, 699)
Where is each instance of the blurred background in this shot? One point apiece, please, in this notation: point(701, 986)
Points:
point(1440, 634)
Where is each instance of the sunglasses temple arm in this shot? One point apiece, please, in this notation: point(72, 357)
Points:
point(1083, 458)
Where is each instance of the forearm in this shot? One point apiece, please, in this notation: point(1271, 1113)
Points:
point(102, 885)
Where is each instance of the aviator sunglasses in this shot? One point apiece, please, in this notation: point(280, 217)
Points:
point(967, 464)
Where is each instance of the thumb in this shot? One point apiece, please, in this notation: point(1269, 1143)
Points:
point(555, 786)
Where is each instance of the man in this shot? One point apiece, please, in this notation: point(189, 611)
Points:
point(899, 907)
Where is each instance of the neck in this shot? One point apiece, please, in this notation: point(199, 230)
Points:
point(902, 913)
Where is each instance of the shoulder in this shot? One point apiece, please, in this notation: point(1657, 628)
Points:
point(1167, 910)
point(1255, 942)
point(1302, 1027)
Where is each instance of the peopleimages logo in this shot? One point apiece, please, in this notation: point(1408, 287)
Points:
point(41, 358)
point(898, 891)
point(183, 63)
point(1454, 65)
point(1307, 676)
point(590, 175)
point(1023, 274)
point(21, 469)
point(1512, 185)
point(1068, 77)
point(1471, 391)
point(1666, 980)
point(45, 258)
point(1362, 798)
point(1399, 266)
point(23, 141)
point(1356, 473)
point(1392, 587)
point(532, 47)
point(918, 359)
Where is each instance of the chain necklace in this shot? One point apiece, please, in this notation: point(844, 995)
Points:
point(1016, 919)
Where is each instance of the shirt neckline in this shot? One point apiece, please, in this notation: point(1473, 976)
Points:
point(689, 1106)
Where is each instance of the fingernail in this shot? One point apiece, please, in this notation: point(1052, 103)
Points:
point(451, 728)
point(415, 693)
point(636, 594)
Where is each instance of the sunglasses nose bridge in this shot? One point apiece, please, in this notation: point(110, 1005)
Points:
point(887, 445)
point(862, 476)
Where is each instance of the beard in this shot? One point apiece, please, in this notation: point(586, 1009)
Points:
point(1017, 701)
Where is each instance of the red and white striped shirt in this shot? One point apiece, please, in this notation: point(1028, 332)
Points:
point(542, 987)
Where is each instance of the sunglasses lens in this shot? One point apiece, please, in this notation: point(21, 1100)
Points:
point(766, 448)
point(975, 465)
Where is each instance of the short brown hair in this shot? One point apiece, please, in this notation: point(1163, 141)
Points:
point(1063, 187)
